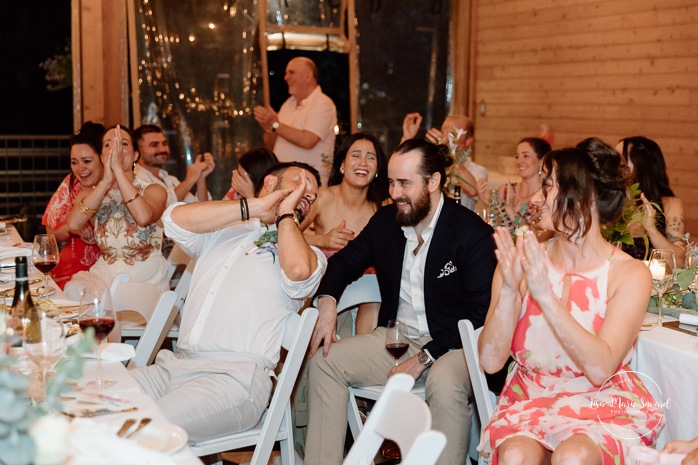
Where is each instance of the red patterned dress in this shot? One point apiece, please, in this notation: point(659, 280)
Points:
point(547, 397)
point(76, 255)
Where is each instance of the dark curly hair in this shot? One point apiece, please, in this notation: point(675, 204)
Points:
point(589, 175)
point(649, 167)
point(435, 158)
point(378, 189)
point(256, 162)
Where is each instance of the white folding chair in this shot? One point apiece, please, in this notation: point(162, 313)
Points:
point(153, 305)
point(363, 290)
point(177, 257)
point(485, 399)
point(276, 424)
point(404, 418)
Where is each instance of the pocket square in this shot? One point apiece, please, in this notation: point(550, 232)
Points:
point(447, 270)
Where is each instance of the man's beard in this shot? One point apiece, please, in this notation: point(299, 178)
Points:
point(299, 213)
point(420, 209)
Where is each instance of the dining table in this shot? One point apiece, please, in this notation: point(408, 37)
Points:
point(666, 359)
point(163, 437)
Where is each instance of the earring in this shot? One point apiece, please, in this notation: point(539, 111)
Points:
point(376, 176)
point(341, 169)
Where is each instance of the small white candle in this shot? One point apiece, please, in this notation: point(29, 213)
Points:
point(657, 269)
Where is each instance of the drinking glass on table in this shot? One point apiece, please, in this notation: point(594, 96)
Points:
point(99, 315)
point(44, 343)
point(661, 265)
point(45, 255)
point(396, 339)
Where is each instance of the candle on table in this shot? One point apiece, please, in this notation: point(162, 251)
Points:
point(657, 269)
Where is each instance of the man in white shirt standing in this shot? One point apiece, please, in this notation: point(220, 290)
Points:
point(155, 151)
point(241, 293)
point(303, 129)
point(474, 176)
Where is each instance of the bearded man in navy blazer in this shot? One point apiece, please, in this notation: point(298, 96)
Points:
point(434, 262)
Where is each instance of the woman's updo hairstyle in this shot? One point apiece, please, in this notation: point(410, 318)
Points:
point(435, 158)
point(89, 134)
point(590, 173)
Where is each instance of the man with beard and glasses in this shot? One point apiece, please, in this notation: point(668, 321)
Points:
point(434, 263)
point(253, 268)
point(155, 151)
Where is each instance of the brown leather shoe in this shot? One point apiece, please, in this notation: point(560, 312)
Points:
point(390, 450)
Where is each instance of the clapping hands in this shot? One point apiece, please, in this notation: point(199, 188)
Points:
point(525, 259)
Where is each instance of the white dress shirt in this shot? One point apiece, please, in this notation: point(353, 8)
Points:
point(167, 181)
point(239, 297)
point(411, 308)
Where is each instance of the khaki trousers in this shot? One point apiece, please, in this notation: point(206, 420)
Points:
point(363, 361)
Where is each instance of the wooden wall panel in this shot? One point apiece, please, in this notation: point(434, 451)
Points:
point(608, 68)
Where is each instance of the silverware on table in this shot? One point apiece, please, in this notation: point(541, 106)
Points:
point(126, 427)
point(144, 422)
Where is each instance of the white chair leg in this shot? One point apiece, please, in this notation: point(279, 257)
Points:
point(353, 415)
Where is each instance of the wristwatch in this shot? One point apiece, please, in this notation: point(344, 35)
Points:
point(424, 359)
point(287, 215)
point(274, 126)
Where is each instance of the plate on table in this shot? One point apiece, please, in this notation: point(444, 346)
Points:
point(64, 309)
point(160, 436)
point(36, 292)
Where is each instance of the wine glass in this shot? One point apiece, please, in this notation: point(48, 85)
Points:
point(662, 265)
point(44, 343)
point(99, 315)
point(45, 255)
point(396, 339)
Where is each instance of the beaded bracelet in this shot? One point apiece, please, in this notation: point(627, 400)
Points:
point(85, 210)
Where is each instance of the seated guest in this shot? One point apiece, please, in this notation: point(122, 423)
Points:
point(233, 320)
point(471, 177)
point(155, 151)
point(358, 187)
point(434, 262)
point(690, 448)
point(126, 213)
point(251, 167)
point(665, 228)
point(569, 312)
point(80, 251)
point(515, 199)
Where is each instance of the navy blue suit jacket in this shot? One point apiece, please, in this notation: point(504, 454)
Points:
point(457, 275)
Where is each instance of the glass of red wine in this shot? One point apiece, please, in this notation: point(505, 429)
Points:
point(99, 315)
point(45, 256)
point(396, 339)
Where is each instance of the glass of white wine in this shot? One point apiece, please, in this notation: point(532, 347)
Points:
point(44, 344)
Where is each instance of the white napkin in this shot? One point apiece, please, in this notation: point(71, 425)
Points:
point(94, 442)
point(688, 319)
point(10, 252)
point(111, 351)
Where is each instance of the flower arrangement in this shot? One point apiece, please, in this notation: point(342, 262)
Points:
point(29, 433)
point(459, 157)
point(683, 293)
point(629, 226)
point(267, 242)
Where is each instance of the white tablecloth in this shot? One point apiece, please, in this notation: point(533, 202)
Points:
point(127, 388)
point(670, 359)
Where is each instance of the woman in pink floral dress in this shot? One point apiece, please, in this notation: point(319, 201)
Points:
point(80, 251)
point(569, 312)
point(126, 213)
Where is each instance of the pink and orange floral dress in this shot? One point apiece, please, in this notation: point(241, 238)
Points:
point(547, 397)
point(76, 255)
point(124, 247)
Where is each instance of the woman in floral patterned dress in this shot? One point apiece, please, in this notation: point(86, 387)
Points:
point(126, 212)
point(80, 251)
point(569, 312)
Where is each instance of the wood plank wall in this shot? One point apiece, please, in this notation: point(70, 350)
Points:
point(606, 68)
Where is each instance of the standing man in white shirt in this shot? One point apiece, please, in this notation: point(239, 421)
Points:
point(155, 151)
point(233, 320)
point(303, 129)
point(474, 175)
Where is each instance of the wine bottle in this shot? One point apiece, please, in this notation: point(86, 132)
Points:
point(22, 303)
